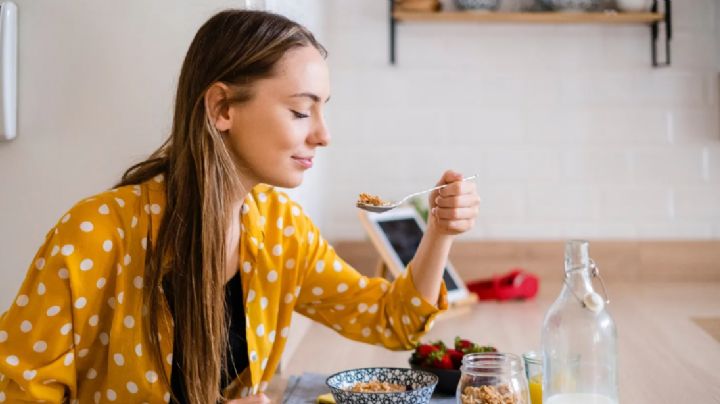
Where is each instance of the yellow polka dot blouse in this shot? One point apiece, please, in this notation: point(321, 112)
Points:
point(75, 332)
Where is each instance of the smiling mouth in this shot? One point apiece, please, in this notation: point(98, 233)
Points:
point(305, 162)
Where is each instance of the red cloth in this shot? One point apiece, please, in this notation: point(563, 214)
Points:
point(516, 284)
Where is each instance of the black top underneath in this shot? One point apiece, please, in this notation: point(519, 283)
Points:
point(237, 356)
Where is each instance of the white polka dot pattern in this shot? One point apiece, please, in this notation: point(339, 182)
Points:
point(67, 250)
point(40, 346)
point(85, 297)
point(86, 264)
point(151, 376)
point(22, 300)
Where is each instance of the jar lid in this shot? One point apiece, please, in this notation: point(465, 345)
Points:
point(491, 363)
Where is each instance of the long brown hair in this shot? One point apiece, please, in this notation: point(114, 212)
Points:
point(235, 47)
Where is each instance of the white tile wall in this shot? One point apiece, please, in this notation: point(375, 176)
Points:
point(95, 94)
point(571, 130)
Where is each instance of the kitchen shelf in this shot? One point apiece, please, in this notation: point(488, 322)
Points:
point(538, 17)
point(652, 18)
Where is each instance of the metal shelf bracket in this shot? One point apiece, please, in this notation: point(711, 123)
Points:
point(655, 33)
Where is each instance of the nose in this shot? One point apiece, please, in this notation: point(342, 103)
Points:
point(320, 135)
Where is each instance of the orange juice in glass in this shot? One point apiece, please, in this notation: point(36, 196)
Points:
point(533, 370)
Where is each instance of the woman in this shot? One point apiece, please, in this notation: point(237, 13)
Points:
point(179, 283)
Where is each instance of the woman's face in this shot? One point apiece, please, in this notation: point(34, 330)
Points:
point(275, 135)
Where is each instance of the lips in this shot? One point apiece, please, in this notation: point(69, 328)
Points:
point(305, 162)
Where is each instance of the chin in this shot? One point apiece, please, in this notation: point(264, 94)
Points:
point(286, 181)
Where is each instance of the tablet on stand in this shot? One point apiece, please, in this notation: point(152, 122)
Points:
point(396, 235)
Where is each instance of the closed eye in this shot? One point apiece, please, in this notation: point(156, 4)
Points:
point(299, 115)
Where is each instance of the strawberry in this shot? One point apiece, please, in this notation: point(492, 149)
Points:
point(456, 357)
point(462, 344)
point(440, 360)
point(439, 345)
point(466, 346)
point(424, 350)
point(483, 348)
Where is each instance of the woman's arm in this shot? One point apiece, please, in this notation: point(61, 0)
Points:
point(453, 210)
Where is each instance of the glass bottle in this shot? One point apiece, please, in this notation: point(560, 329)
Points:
point(579, 339)
point(492, 377)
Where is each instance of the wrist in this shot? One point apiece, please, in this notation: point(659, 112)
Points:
point(437, 234)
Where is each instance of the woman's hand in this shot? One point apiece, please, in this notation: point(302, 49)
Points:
point(258, 399)
point(453, 209)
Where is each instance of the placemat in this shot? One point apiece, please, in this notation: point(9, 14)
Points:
point(305, 388)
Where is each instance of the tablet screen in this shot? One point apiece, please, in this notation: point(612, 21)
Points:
point(404, 236)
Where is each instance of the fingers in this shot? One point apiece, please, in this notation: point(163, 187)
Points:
point(460, 201)
point(455, 213)
point(458, 188)
point(455, 207)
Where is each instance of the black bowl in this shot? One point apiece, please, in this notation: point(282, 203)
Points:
point(448, 379)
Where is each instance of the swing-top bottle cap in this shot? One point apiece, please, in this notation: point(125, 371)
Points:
point(594, 301)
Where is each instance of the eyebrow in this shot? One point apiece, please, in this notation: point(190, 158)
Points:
point(312, 96)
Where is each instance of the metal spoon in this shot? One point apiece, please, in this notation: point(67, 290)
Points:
point(392, 205)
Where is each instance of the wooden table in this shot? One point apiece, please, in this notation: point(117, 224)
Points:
point(665, 356)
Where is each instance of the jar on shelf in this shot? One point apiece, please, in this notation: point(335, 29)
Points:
point(488, 378)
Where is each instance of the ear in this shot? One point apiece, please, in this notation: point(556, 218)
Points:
point(218, 107)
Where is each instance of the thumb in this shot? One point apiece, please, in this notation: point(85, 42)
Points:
point(450, 176)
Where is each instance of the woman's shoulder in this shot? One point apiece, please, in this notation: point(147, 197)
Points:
point(111, 216)
point(105, 207)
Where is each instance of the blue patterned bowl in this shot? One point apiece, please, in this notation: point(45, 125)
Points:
point(420, 386)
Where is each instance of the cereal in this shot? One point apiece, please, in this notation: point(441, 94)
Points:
point(490, 395)
point(369, 199)
point(377, 387)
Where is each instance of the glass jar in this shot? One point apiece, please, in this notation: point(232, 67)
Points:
point(579, 338)
point(533, 371)
point(492, 378)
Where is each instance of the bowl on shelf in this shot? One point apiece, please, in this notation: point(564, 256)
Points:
point(573, 5)
point(477, 5)
point(419, 386)
point(634, 5)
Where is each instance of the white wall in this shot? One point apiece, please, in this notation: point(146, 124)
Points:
point(571, 130)
point(96, 86)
